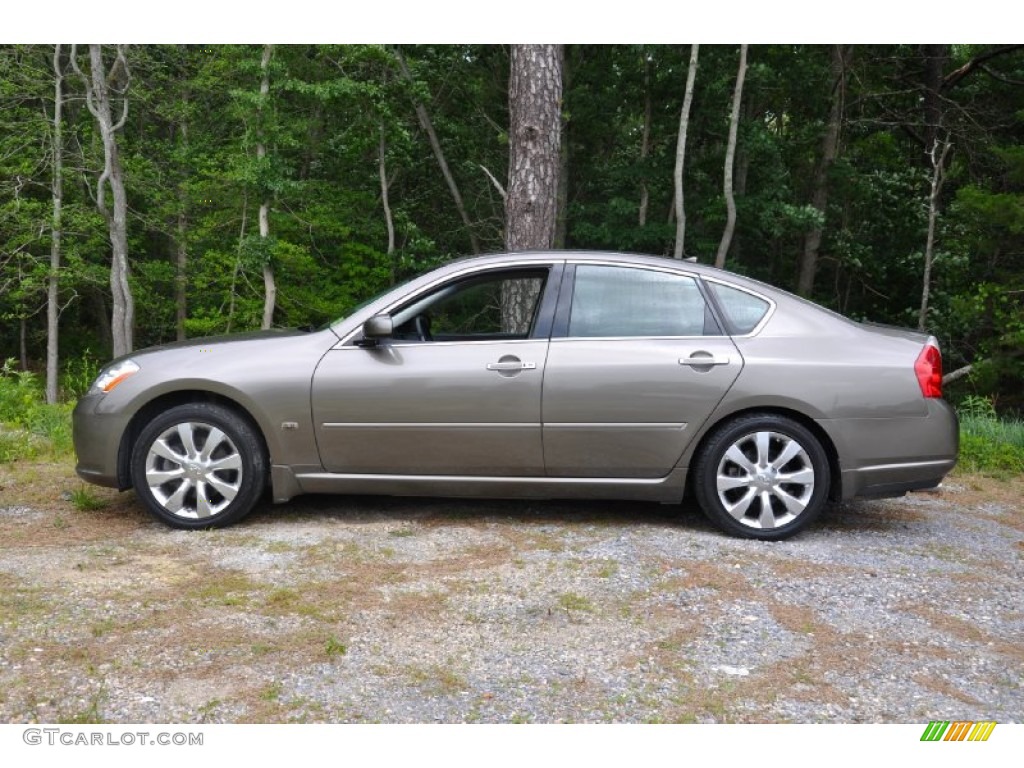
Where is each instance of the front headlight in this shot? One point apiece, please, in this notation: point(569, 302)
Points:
point(114, 375)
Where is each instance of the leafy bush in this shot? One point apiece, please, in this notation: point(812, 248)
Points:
point(28, 426)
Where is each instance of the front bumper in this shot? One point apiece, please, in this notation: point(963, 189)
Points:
point(97, 438)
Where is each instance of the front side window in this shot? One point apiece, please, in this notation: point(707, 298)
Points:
point(497, 305)
point(622, 301)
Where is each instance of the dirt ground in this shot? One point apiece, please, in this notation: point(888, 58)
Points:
point(344, 609)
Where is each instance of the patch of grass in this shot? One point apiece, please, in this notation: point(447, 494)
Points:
point(438, 680)
point(225, 588)
point(988, 444)
point(570, 602)
point(262, 649)
point(271, 692)
point(84, 500)
point(284, 600)
point(334, 647)
point(102, 627)
point(88, 715)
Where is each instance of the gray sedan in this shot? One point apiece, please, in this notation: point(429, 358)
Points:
point(539, 375)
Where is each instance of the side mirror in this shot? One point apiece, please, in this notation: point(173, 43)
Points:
point(376, 328)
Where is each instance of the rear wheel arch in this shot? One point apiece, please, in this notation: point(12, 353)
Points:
point(827, 444)
point(761, 475)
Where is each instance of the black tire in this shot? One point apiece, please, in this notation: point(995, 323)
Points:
point(774, 477)
point(187, 481)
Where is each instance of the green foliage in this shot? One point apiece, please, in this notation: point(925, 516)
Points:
point(989, 444)
point(79, 374)
point(196, 182)
point(28, 426)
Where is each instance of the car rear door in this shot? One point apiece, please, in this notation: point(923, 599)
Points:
point(637, 363)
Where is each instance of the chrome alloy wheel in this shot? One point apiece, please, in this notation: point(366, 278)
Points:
point(193, 470)
point(765, 480)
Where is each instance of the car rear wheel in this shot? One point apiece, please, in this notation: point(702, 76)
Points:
point(762, 476)
point(199, 465)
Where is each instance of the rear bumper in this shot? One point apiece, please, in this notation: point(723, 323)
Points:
point(894, 479)
point(888, 457)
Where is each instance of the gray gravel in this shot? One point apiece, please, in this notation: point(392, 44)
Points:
point(388, 610)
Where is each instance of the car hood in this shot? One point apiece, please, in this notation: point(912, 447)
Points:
point(209, 341)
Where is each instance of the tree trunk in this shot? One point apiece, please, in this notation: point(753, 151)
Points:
point(181, 250)
point(535, 97)
point(938, 176)
point(829, 152)
point(385, 202)
point(645, 143)
point(98, 99)
point(22, 342)
point(238, 261)
point(730, 158)
point(181, 274)
point(935, 58)
point(269, 283)
point(424, 117)
point(57, 187)
point(684, 123)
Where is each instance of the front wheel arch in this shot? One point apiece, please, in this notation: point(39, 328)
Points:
point(165, 402)
point(199, 465)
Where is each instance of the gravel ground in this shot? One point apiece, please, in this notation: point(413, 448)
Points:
point(388, 610)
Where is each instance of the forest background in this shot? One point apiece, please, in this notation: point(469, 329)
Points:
point(883, 181)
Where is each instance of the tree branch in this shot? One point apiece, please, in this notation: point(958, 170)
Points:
point(959, 373)
point(85, 81)
point(123, 63)
point(1000, 76)
point(954, 77)
point(495, 182)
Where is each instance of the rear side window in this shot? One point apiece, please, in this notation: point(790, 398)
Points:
point(743, 310)
point(623, 301)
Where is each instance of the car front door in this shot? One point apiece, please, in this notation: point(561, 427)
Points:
point(637, 363)
point(456, 390)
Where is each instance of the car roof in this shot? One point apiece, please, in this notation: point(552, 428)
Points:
point(705, 270)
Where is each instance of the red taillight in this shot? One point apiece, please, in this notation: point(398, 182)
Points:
point(929, 370)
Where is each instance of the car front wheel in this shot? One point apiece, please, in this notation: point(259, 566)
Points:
point(199, 465)
point(762, 476)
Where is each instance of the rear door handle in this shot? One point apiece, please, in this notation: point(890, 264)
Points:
point(704, 360)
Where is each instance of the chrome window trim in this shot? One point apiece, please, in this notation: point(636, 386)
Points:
point(476, 342)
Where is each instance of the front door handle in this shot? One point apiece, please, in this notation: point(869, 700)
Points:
point(510, 365)
point(704, 359)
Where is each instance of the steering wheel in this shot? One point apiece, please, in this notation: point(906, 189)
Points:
point(422, 325)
